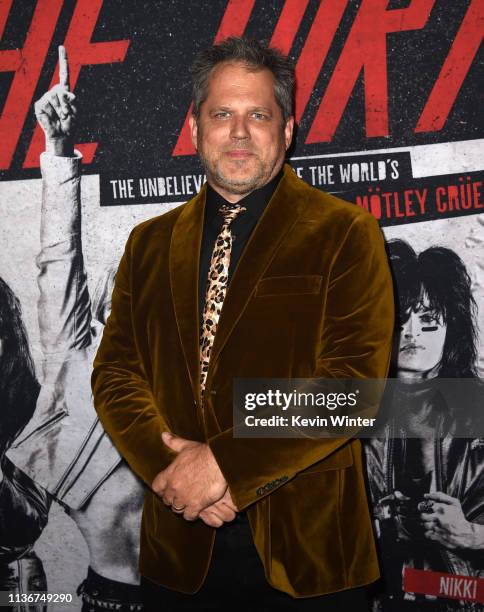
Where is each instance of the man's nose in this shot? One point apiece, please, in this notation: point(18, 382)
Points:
point(239, 128)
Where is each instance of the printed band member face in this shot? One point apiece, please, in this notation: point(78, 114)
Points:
point(240, 134)
point(421, 342)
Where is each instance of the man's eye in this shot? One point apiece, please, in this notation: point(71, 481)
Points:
point(221, 115)
point(259, 116)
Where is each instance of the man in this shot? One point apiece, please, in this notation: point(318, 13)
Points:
point(310, 294)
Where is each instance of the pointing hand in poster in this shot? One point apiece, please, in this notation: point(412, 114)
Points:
point(445, 523)
point(56, 113)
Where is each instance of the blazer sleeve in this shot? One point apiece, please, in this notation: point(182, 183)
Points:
point(356, 340)
point(122, 395)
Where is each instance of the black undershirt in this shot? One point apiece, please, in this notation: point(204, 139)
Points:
point(241, 228)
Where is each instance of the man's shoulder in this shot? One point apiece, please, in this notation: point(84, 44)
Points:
point(320, 206)
point(160, 227)
point(160, 224)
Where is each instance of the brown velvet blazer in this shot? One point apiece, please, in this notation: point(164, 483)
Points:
point(311, 296)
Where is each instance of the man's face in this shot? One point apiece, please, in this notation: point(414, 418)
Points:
point(240, 135)
point(421, 343)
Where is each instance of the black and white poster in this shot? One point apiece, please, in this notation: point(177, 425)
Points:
point(389, 110)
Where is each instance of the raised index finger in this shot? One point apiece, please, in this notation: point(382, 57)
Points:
point(63, 68)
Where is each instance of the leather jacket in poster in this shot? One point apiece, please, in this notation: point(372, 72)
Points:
point(459, 473)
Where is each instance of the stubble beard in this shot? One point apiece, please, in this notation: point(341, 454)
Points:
point(231, 185)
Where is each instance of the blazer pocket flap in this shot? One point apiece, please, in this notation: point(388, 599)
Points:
point(340, 459)
point(280, 285)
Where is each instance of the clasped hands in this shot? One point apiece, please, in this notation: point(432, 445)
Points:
point(193, 484)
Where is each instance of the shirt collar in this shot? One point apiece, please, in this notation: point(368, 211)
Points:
point(255, 201)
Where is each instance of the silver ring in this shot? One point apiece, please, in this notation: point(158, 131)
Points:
point(176, 509)
point(426, 506)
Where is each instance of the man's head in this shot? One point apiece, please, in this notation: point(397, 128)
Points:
point(242, 119)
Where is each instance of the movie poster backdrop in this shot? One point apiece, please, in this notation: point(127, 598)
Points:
point(389, 117)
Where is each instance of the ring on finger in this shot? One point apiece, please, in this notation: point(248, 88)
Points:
point(177, 509)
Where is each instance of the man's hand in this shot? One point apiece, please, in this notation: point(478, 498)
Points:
point(446, 523)
point(220, 512)
point(193, 481)
point(56, 113)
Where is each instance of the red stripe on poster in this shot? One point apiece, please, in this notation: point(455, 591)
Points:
point(438, 584)
point(233, 23)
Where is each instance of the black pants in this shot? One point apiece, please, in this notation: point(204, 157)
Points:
point(236, 579)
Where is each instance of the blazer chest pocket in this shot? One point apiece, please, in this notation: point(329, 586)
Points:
point(340, 459)
point(289, 285)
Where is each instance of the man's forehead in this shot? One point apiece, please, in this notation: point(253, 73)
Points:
point(231, 65)
point(239, 73)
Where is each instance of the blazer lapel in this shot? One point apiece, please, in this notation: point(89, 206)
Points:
point(278, 218)
point(184, 262)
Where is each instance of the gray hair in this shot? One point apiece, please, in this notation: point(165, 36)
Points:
point(256, 57)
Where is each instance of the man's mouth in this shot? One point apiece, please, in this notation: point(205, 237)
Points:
point(239, 153)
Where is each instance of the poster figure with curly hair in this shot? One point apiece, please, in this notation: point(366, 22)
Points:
point(23, 505)
point(427, 486)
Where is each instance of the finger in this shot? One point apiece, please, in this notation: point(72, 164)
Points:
point(159, 484)
point(431, 535)
point(441, 497)
point(210, 519)
point(63, 68)
point(177, 508)
point(59, 106)
point(190, 514)
point(39, 109)
point(166, 500)
point(44, 122)
point(63, 101)
point(50, 111)
point(71, 109)
point(223, 512)
point(66, 125)
point(168, 497)
point(227, 499)
point(173, 442)
point(400, 496)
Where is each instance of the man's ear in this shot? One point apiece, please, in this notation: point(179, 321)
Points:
point(288, 131)
point(192, 122)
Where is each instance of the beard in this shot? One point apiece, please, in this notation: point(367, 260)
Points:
point(237, 186)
